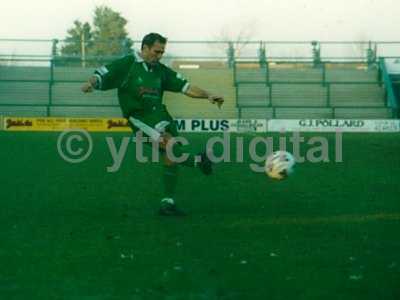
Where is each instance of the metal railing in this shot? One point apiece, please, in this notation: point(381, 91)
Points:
point(318, 78)
point(389, 93)
point(272, 104)
point(52, 63)
point(47, 77)
point(262, 50)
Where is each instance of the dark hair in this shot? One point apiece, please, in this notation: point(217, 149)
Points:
point(151, 38)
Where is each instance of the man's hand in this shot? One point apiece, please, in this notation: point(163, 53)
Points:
point(88, 87)
point(219, 100)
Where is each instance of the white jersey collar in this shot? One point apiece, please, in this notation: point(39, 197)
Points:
point(137, 56)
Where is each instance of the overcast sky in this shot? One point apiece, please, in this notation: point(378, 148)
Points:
point(205, 19)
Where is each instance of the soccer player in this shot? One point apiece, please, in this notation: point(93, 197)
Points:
point(141, 81)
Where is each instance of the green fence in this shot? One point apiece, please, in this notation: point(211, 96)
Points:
point(392, 102)
point(229, 51)
point(53, 89)
point(331, 88)
point(50, 90)
point(271, 76)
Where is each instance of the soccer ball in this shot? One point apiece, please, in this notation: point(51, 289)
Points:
point(279, 165)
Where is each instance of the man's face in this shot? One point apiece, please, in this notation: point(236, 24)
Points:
point(153, 54)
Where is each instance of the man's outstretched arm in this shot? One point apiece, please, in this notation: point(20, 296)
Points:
point(109, 76)
point(196, 92)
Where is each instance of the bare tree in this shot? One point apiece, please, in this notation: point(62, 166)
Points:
point(238, 38)
point(360, 49)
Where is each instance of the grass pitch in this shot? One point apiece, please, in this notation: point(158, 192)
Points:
point(75, 231)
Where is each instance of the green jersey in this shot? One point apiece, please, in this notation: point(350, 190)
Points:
point(140, 86)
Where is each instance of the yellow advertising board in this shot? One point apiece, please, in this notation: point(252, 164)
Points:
point(60, 124)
